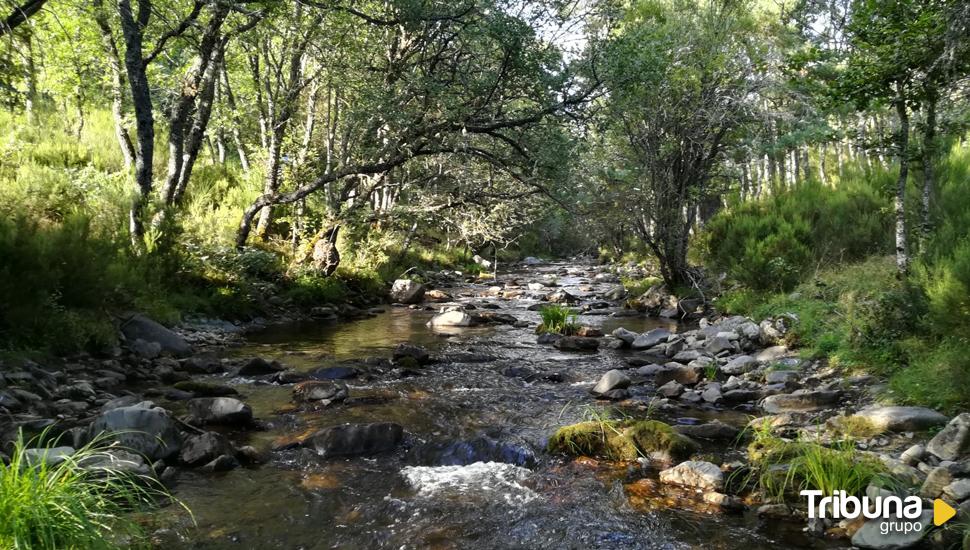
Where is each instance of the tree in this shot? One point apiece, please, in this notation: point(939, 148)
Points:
point(681, 81)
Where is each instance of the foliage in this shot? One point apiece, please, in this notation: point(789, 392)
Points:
point(557, 319)
point(786, 467)
point(776, 242)
point(65, 506)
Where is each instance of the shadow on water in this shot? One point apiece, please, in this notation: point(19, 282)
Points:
point(472, 473)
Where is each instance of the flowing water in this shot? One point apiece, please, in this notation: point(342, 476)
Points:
point(472, 473)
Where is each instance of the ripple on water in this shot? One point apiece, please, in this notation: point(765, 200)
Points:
point(485, 480)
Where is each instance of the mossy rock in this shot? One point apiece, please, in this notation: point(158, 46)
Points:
point(621, 440)
point(774, 450)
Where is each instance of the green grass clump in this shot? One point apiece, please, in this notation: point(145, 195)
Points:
point(786, 467)
point(64, 506)
point(557, 319)
point(620, 440)
point(636, 287)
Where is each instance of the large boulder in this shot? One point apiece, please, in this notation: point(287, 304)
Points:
point(901, 419)
point(406, 291)
point(800, 401)
point(625, 336)
point(697, 474)
point(953, 441)
point(138, 327)
point(453, 318)
point(142, 429)
point(220, 410)
point(356, 439)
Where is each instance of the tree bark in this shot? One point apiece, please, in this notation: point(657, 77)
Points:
point(132, 25)
point(929, 170)
point(200, 122)
point(902, 143)
point(117, 84)
point(236, 121)
point(31, 77)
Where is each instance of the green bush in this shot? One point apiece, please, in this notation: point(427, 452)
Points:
point(776, 242)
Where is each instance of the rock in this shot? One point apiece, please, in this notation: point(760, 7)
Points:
point(620, 440)
point(220, 410)
point(780, 376)
point(953, 441)
point(205, 389)
point(901, 419)
point(780, 511)
point(589, 332)
point(800, 401)
point(145, 349)
point(870, 534)
point(138, 327)
point(718, 344)
point(684, 374)
point(257, 366)
point(772, 354)
point(147, 431)
point(406, 291)
point(739, 365)
point(694, 473)
point(320, 390)
point(419, 354)
point(651, 339)
point(612, 380)
point(671, 389)
point(958, 490)
point(437, 296)
point(204, 448)
point(535, 287)
point(687, 356)
point(531, 260)
point(126, 401)
point(576, 343)
point(616, 395)
point(913, 455)
point(356, 439)
point(725, 502)
point(712, 393)
point(453, 318)
point(738, 396)
point(335, 373)
point(715, 430)
point(560, 297)
point(222, 463)
point(116, 461)
point(935, 482)
point(51, 456)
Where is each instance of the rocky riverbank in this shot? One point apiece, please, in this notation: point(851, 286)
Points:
point(691, 397)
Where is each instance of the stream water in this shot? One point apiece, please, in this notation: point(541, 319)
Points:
point(472, 472)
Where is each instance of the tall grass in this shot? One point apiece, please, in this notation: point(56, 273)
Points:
point(557, 319)
point(786, 467)
point(44, 506)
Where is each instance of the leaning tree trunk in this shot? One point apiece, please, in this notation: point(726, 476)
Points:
point(902, 143)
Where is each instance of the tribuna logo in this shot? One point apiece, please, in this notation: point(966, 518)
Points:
point(906, 512)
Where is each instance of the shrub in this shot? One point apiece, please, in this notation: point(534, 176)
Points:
point(774, 243)
point(65, 506)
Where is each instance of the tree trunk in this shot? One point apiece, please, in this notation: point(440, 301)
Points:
point(131, 29)
point(31, 77)
point(929, 170)
point(200, 122)
point(236, 121)
point(117, 85)
point(902, 143)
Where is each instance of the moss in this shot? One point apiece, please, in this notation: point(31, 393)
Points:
point(856, 426)
point(620, 440)
point(654, 436)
